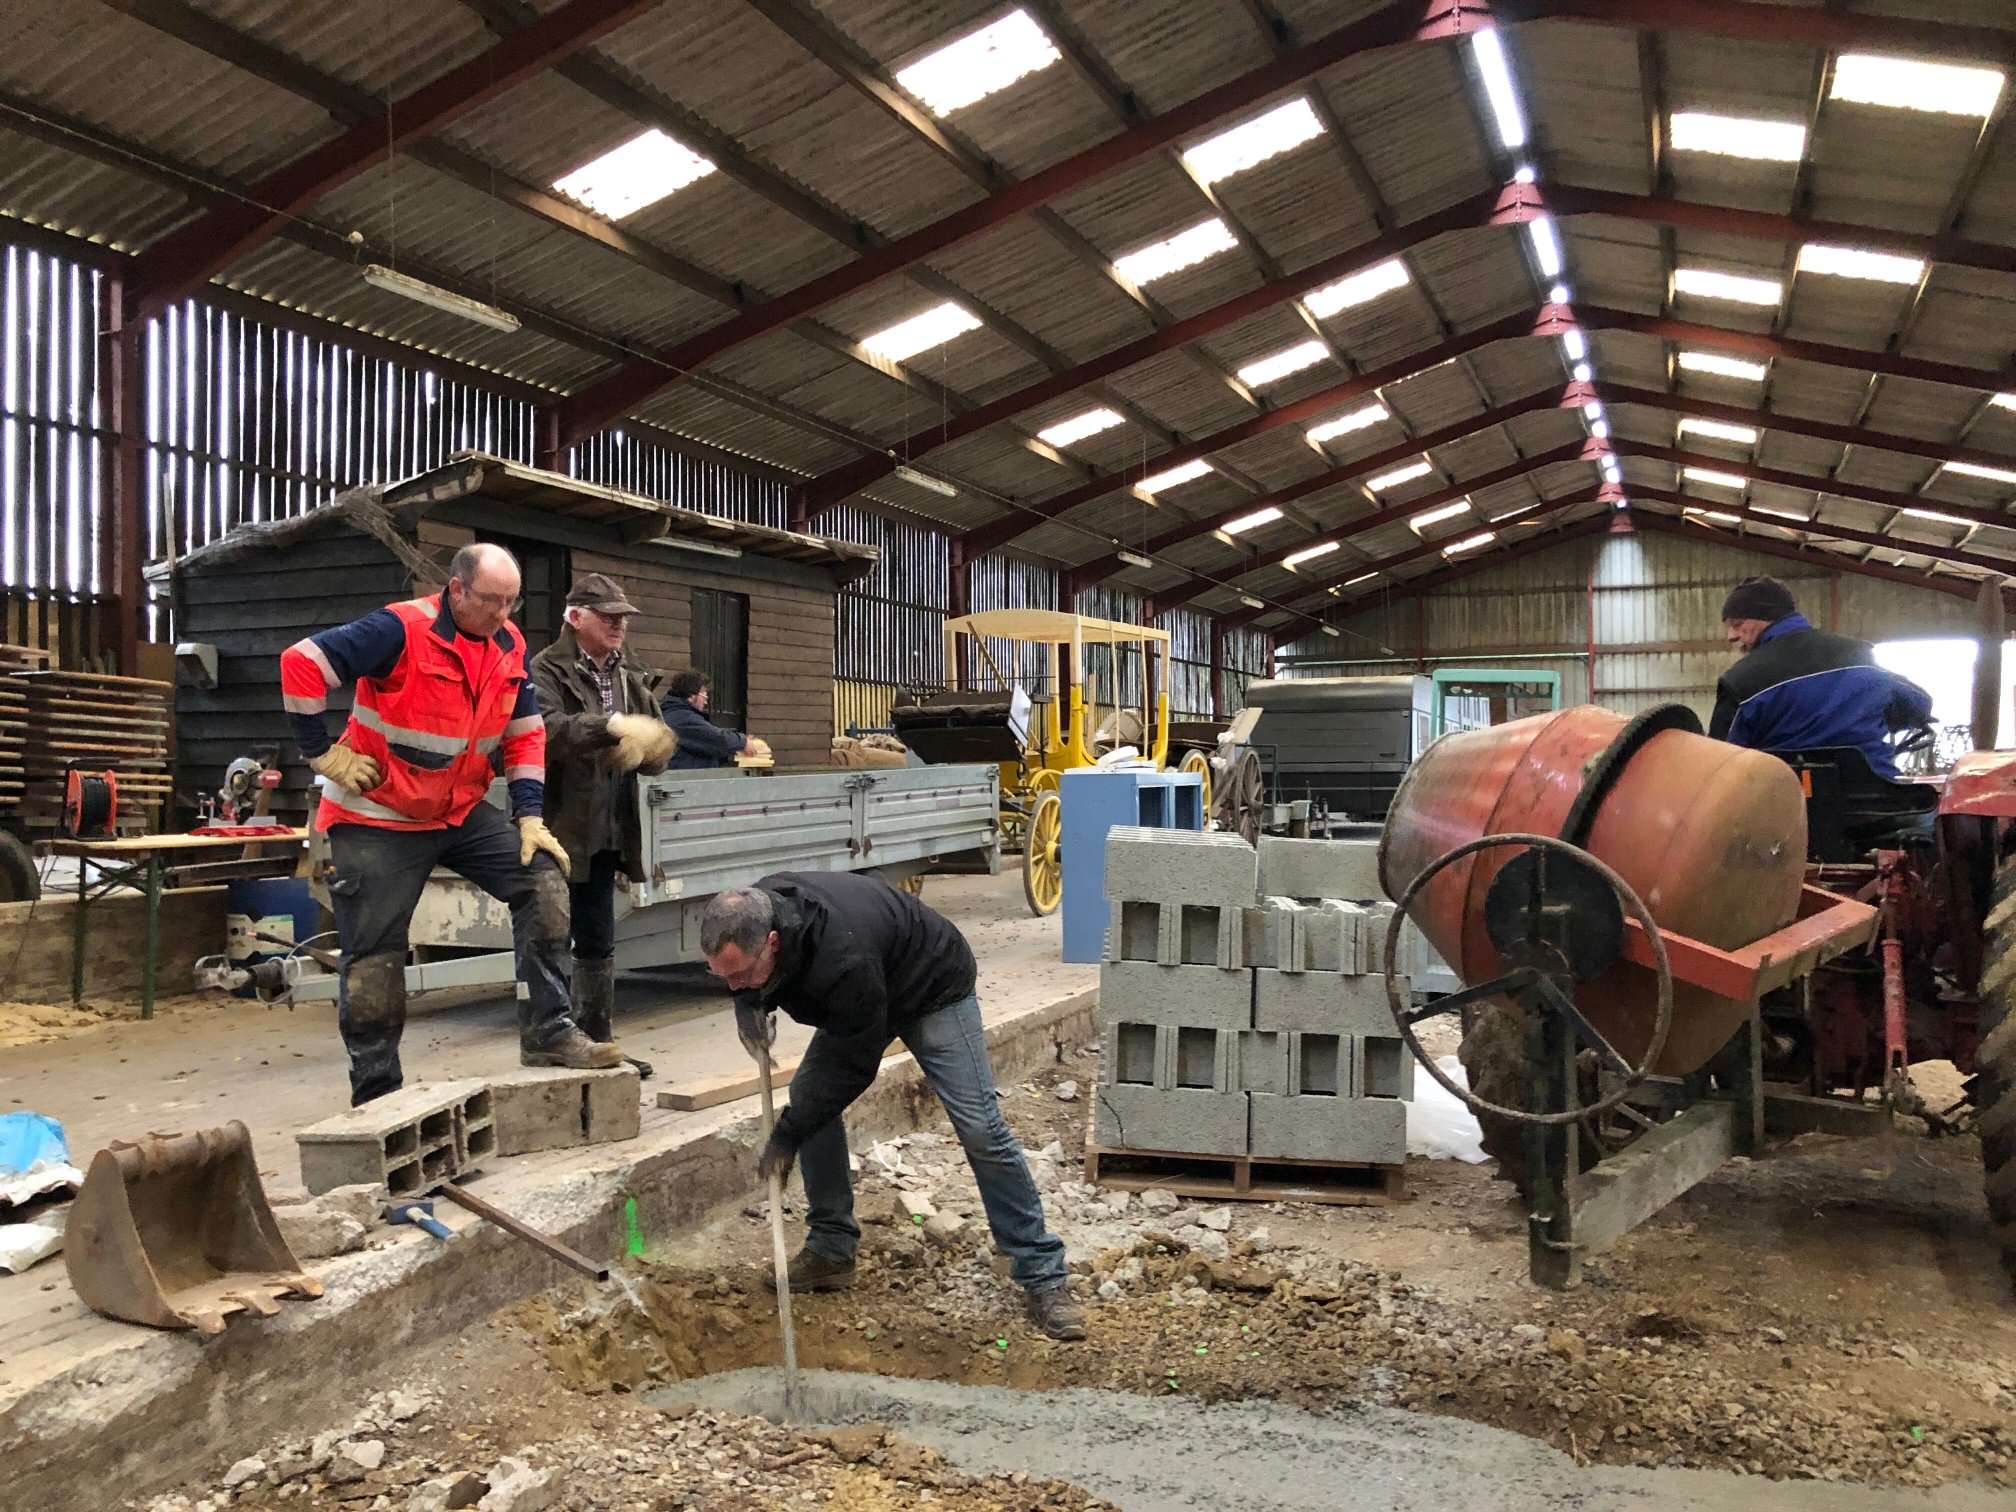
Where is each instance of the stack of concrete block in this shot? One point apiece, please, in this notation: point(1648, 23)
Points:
point(1243, 1001)
point(405, 1144)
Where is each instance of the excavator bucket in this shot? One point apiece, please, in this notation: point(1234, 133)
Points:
point(174, 1231)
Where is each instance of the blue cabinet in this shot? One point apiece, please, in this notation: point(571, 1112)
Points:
point(1095, 802)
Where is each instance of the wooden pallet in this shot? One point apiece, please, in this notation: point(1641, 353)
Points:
point(1245, 1178)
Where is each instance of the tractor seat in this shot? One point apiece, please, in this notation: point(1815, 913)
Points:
point(1850, 810)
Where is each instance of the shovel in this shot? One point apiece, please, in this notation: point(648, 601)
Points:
point(781, 1259)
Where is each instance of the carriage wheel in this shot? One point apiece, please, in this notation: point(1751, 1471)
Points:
point(1042, 863)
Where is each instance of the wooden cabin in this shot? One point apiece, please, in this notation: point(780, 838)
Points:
point(750, 605)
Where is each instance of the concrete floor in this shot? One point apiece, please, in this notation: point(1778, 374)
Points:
point(279, 1070)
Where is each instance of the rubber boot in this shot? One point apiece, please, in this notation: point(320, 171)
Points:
point(594, 995)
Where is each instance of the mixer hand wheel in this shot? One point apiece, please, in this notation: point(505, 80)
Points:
point(1556, 915)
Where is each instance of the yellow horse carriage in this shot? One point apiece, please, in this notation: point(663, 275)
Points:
point(987, 714)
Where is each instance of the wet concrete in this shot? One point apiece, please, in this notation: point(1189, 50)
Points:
point(1175, 1454)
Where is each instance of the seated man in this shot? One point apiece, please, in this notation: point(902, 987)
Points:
point(702, 743)
point(1801, 689)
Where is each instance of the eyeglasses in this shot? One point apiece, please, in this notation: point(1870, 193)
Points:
point(494, 600)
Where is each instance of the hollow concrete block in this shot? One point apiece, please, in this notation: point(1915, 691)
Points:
point(1382, 1066)
point(1346, 869)
point(1173, 1121)
point(1202, 997)
point(1179, 866)
point(405, 1143)
point(1328, 1128)
point(1322, 1002)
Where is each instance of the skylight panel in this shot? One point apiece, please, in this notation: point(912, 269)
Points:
point(643, 171)
point(1188, 472)
point(1785, 514)
point(1723, 367)
point(980, 63)
point(1736, 136)
point(1853, 262)
point(1909, 84)
point(1309, 554)
point(1400, 475)
point(1713, 478)
point(1279, 365)
point(1078, 427)
point(1975, 470)
point(1253, 142)
point(1715, 430)
point(1939, 519)
point(1719, 516)
point(1344, 425)
point(1470, 543)
point(1175, 253)
point(1252, 521)
point(1357, 289)
point(1447, 512)
point(1706, 283)
point(920, 333)
point(1496, 71)
point(1363, 577)
point(2004, 401)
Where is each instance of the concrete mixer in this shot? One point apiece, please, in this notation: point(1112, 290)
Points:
point(1622, 897)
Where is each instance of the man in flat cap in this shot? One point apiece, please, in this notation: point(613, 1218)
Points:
point(1801, 689)
point(602, 730)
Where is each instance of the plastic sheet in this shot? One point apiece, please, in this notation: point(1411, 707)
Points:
point(1440, 1126)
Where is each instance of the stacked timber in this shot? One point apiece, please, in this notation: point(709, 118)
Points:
point(96, 723)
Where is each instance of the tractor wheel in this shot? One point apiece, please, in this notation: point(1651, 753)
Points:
point(1042, 867)
point(1493, 1054)
point(1995, 1085)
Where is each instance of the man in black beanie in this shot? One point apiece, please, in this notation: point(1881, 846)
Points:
point(1801, 689)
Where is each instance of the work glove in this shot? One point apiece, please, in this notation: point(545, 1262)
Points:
point(777, 1158)
point(533, 836)
point(640, 741)
point(346, 768)
point(756, 1027)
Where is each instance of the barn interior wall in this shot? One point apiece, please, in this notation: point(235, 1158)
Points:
point(1628, 621)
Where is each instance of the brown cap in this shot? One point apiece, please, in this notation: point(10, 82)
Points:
point(599, 592)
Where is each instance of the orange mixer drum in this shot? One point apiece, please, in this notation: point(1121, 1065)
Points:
point(1711, 836)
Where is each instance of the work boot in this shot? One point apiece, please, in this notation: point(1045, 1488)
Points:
point(592, 989)
point(813, 1272)
point(574, 1050)
point(1056, 1313)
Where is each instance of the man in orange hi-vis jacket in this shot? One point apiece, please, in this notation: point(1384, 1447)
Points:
point(442, 689)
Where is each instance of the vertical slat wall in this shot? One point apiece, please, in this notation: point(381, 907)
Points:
point(1003, 583)
point(1245, 662)
point(1189, 664)
point(617, 459)
point(51, 454)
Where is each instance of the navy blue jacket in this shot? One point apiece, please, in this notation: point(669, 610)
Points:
point(702, 743)
point(1802, 689)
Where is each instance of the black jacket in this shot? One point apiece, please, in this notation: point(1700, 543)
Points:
point(702, 743)
point(860, 962)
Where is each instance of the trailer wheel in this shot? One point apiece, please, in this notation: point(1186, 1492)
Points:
point(1995, 1084)
point(1042, 866)
point(20, 882)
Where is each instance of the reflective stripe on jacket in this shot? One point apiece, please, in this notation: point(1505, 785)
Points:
point(432, 731)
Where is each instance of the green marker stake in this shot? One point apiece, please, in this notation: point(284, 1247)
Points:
point(1203, 1349)
point(633, 1244)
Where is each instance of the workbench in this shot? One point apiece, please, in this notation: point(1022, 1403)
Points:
point(143, 861)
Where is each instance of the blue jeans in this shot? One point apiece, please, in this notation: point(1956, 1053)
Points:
point(951, 1051)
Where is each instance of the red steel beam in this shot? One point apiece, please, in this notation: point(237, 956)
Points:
point(1549, 320)
point(1739, 20)
point(1614, 394)
point(1876, 538)
point(1885, 497)
point(1759, 344)
point(828, 489)
point(1573, 451)
point(609, 399)
point(185, 260)
point(1664, 210)
point(1573, 396)
point(1827, 560)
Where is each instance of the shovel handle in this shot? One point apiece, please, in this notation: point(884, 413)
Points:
point(780, 1256)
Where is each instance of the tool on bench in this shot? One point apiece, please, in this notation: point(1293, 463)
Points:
point(174, 1231)
point(779, 1257)
point(420, 1215)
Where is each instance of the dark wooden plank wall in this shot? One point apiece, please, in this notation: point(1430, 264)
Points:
point(790, 644)
point(252, 609)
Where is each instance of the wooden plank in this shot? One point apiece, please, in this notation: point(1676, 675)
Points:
point(711, 1092)
point(1615, 1196)
point(1242, 1178)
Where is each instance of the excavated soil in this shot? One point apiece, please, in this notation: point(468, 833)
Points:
point(1834, 1310)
